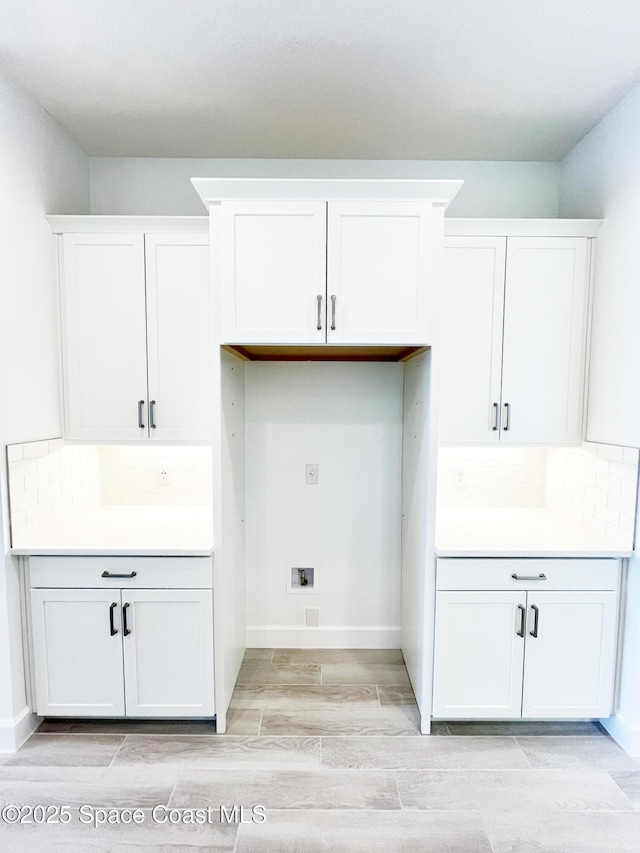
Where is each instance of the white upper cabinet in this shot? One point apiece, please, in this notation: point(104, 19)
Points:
point(179, 336)
point(544, 339)
point(379, 283)
point(513, 339)
point(472, 302)
point(273, 272)
point(104, 347)
point(137, 334)
point(297, 272)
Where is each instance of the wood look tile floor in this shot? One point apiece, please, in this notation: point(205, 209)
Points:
point(328, 743)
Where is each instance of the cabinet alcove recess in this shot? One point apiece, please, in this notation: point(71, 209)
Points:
point(281, 249)
point(525, 638)
point(514, 330)
point(136, 320)
point(122, 636)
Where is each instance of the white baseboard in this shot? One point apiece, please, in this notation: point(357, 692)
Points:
point(13, 733)
point(326, 637)
point(625, 734)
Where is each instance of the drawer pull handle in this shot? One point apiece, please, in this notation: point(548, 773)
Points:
point(125, 628)
point(333, 313)
point(520, 633)
point(536, 614)
point(319, 323)
point(113, 575)
point(540, 577)
point(112, 627)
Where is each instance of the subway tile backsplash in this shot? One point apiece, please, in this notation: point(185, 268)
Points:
point(593, 484)
point(52, 480)
point(48, 479)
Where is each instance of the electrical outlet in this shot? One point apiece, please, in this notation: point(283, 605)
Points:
point(312, 473)
point(461, 480)
point(164, 476)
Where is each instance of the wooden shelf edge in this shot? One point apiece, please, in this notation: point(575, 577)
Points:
point(323, 352)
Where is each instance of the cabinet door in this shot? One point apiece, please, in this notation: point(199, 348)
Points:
point(104, 345)
point(544, 333)
point(569, 665)
point(77, 658)
point(380, 260)
point(179, 337)
point(273, 272)
point(471, 306)
point(478, 655)
point(168, 654)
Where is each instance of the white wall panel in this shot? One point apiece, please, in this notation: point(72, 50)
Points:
point(347, 418)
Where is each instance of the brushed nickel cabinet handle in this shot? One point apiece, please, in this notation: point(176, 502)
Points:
point(140, 415)
point(152, 414)
point(126, 630)
point(496, 416)
point(540, 577)
point(319, 324)
point(508, 422)
point(333, 313)
point(522, 610)
point(536, 616)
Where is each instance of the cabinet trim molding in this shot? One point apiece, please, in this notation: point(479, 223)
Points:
point(91, 224)
point(521, 227)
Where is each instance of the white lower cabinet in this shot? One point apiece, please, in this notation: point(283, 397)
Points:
point(121, 650)
point(509, 649)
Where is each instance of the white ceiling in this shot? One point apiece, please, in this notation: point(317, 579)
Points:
point(365, 79)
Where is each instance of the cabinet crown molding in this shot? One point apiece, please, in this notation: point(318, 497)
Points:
point(214, 190)
point(521, 227)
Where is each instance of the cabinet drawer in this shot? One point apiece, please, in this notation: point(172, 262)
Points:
point(150, 572)
point(480, 573)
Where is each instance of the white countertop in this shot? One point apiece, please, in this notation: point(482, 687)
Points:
point(125, 531)
point(521, 533)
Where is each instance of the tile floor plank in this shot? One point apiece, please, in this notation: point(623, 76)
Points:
point(424, 753)
point(554, 832)
point(275, 697)
point(364, 832)
point(365, 673)
point(322, 789)
point(150, 836)
point(390, 721)
point(66, 750)
point(629, 783)
point(259, 672)
point(341, 656)
point(226, 752)
point(591, 753)
point(510, 790)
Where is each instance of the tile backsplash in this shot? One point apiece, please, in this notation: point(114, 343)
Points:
point(505, 477)
point(155, 475)
point(592, 484)
point(50, 480)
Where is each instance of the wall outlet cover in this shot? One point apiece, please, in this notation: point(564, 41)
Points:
point(312, 615)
